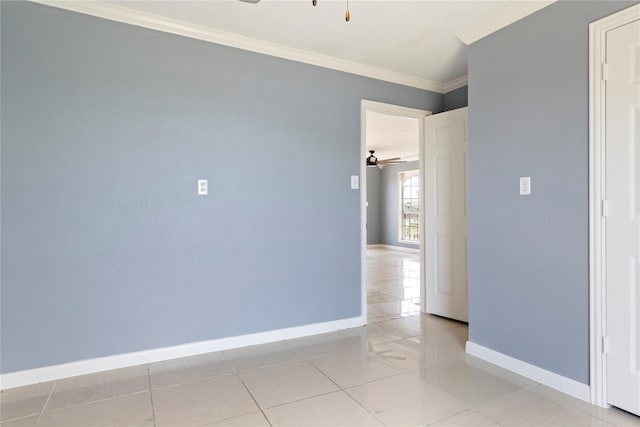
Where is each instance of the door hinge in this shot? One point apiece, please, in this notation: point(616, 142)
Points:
point(605, 208)
point(605, 71)
point(605, 345)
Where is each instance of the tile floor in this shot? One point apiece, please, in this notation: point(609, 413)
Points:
point(402, 369)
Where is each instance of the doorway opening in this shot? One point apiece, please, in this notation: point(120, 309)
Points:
point(392, 277)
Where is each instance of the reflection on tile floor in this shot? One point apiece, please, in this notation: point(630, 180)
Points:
point(393, 284)
point(404, 368)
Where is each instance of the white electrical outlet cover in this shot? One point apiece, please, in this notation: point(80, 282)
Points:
point(203, 187)
point(525, 185)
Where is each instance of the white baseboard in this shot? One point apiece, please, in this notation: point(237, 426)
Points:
point(396, 248)
point(542, 376)
point(89, 366)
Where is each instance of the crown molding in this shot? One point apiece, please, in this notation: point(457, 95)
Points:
point(125, 15)
point(502, 19)
point(455, 84)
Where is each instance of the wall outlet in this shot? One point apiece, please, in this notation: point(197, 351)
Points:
point(203, 187)
point(525, 185)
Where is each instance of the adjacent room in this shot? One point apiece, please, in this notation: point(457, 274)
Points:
point(393, 220)
point(319, 213)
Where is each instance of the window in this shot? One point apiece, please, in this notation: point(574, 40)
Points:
point(409, 206)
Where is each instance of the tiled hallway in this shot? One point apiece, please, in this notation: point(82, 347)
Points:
point(402, 369)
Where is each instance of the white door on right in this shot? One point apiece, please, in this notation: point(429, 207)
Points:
point(622, 191)
point(445, 214)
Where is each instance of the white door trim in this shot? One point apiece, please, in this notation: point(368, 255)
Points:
point(395, 110)
point(597, 302)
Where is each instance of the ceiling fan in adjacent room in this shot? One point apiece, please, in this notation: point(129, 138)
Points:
point(372, 160)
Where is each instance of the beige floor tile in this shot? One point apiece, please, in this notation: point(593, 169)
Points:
point(186, 369)
point(378, 297)
point(132, 410)
point(381, 332)
point(202, 402)
point(372, 320)
point(406, 400)
point(30, 421)
point(103, 385)
point(407, 354)
point(406, 306)
point(399, 292)
point(467, 383)
point(421, 352)
point(260, 356)
point(23, 401)
point(319, 345)
point(271, 347)
point(332, 409)
point(466, 418)
point(354, 367)
point(446, 346)
point(524, 408)
point(315, 339)
point(281, 384)
point(499, 372)
point(374, 311)
point(255, 419)
point(423, 324)
point(614, 416)
point(387, 308)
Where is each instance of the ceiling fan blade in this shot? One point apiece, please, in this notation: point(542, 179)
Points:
point(391, 162)
point(389, 159)
point(250, 1)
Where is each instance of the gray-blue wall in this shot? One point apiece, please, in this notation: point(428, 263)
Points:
point(455, 99)
point(106, 248)
point(391, 203)
point(374, 208)
point(528, 255)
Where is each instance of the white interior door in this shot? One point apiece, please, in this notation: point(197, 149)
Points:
point(445, 218)
point(622, 192)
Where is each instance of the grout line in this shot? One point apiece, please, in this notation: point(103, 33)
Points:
point(221, 422)
point(99, 400)
point(468, 409)
point(304, 398)
point(254, 400)
point(345, 392)
point(46, 403)
point(485, 415)
point(363, 407)
point(153, 408)
point(197, 380)
point(327, 376)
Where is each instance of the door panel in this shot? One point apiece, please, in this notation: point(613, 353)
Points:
point(443, 265)
point(445, 214)
point(622, 227)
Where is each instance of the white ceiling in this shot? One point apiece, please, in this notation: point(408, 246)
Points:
point(392, 136)
point(414, 38)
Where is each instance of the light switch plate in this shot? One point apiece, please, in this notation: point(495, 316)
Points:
point(355, 182)
point(203, 187)
point(525, 185)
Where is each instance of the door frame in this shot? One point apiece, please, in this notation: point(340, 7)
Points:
point(394, 110)
point(597, 233)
